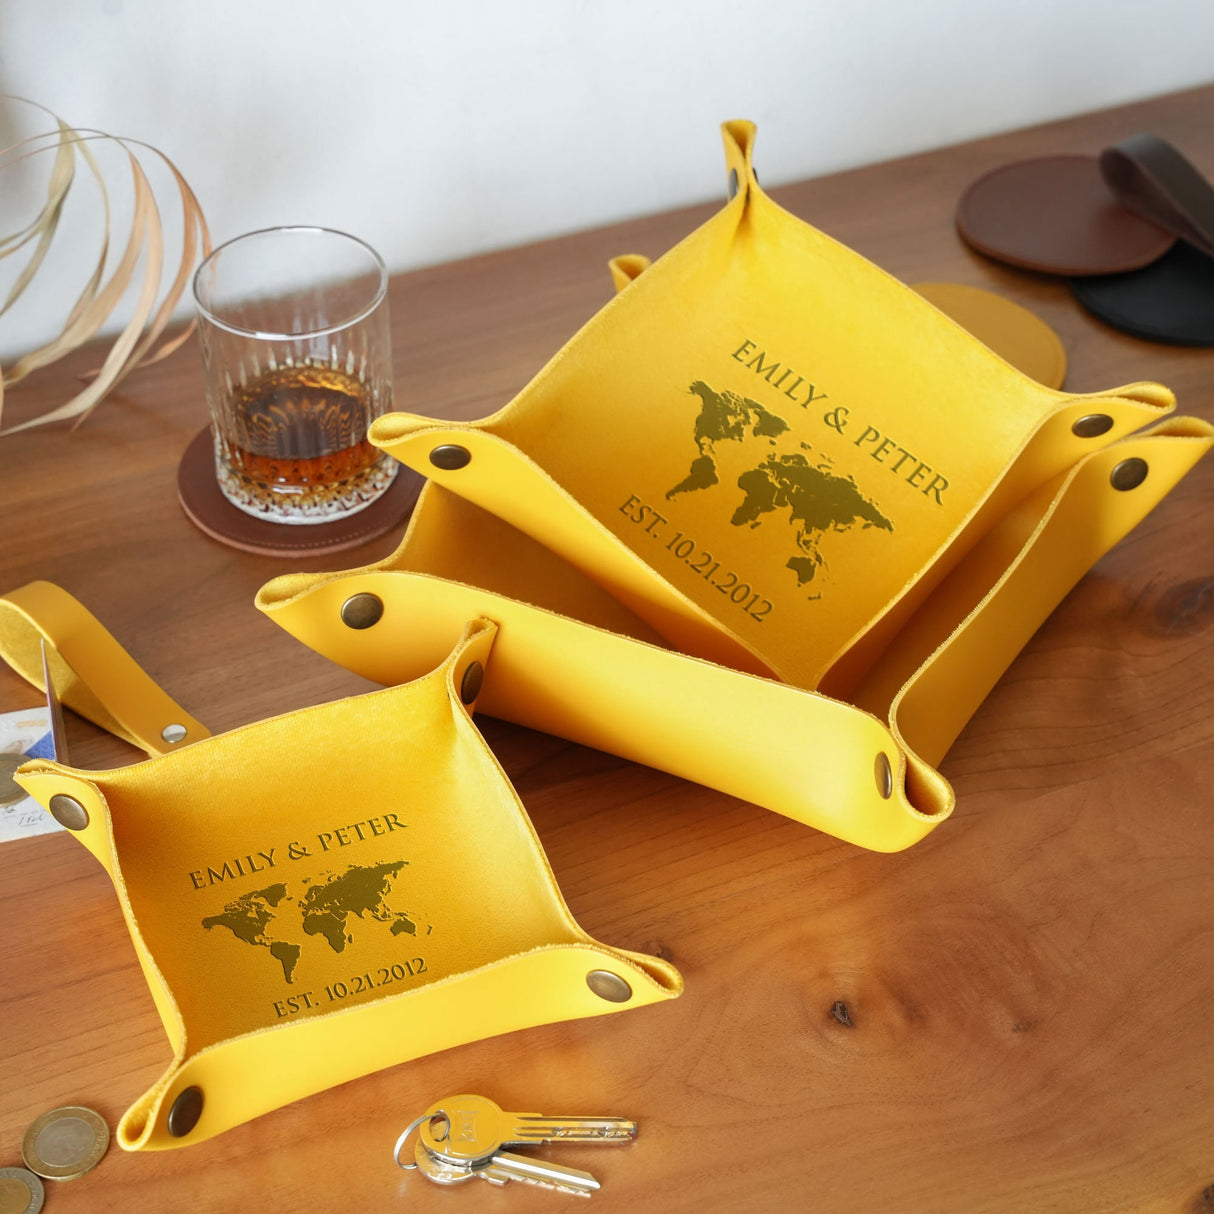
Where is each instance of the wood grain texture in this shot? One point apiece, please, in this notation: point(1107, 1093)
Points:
point(1012, 1016)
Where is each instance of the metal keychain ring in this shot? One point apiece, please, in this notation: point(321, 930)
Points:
point(414, 1125)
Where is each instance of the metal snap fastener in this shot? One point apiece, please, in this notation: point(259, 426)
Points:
point(362, 610)
point(186, 1111)
point(1129, 474)
point(1092, 425)
point(885, 776)
point(609, 986)
point(173, 733)
point(67, 811)
point(450, 457)
point(470, 685)
point(733, 182)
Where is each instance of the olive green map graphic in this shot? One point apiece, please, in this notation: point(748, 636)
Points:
point(817, 501)
point(256, 918)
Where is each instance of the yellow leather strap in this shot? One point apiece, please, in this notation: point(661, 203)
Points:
point(92, 673)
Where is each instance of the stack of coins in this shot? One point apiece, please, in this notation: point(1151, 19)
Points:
point(61, 1145)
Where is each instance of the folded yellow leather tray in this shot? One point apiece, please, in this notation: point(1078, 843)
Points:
point(769, 521)
point(319, 895)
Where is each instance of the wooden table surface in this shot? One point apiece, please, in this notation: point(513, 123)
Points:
point(1029, 991)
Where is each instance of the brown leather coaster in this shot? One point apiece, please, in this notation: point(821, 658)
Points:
point(211, 512)
point(1018, 336)
point(1056, 215)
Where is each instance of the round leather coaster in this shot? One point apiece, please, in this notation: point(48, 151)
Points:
point(1171, 301)
point(1055, 214)
point(211, 512)
point(1017, 335)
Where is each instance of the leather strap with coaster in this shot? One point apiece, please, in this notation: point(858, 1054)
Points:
point(318, 895)
point(1171, 300)
point(1132, 231)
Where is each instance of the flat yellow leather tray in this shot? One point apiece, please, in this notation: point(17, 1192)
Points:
point(322, 894)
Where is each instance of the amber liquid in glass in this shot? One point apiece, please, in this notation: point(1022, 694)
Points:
point(298, 434)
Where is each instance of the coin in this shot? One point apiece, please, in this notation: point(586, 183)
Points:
point(65, 1143)
point(20, 1192)
point(10, 791)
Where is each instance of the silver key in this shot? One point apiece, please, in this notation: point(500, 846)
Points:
point(505, 1167)
point(473, 1129)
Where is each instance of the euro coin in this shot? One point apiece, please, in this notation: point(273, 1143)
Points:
point(10, 791)
point(20, 1192)
point(65, 1143)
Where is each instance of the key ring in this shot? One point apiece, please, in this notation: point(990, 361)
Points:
point(413, 1125)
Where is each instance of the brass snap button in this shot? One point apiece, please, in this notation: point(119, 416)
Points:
point(1129, 474)
point(609, 986)
point(885, 776)
point(450, 457)
point(67, 811)
point(470, 685)
point(1092, 425)
point(173, 733)
point(186, 1111)
point(362, 610)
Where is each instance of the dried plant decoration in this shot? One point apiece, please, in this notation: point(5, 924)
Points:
point(100, 296)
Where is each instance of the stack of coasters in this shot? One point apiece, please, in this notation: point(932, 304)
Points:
point(1132, 231)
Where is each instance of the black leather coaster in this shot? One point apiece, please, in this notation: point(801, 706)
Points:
point(211, 512)
point(1171, 301)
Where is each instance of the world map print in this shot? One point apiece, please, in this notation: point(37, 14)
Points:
point(813, 500)
point(272, 919)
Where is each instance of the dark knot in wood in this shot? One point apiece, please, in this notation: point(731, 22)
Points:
point(1186, 609)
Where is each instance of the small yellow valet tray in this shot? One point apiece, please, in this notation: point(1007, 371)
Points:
point(769, 521)
point(319, 895)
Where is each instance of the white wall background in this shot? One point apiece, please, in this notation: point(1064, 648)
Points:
point(439, 129)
